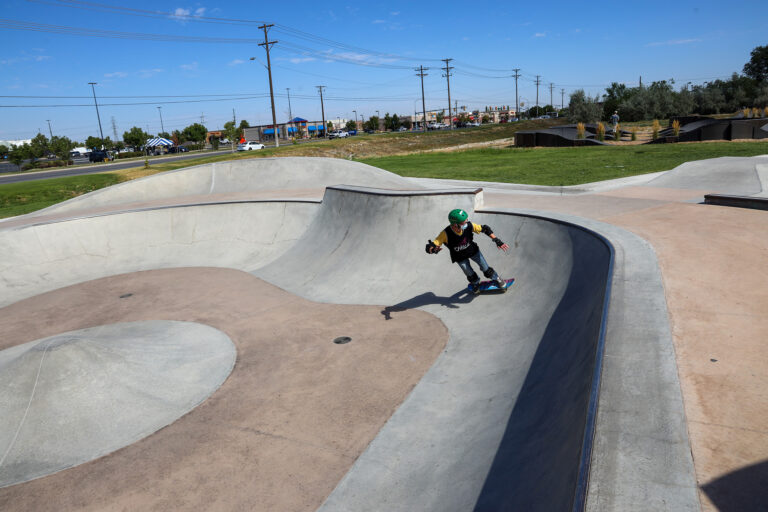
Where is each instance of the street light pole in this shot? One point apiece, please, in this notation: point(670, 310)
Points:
point(355, 111)
point(97, 111)
point(322, 110)
point(160, 110)
point(51, 131)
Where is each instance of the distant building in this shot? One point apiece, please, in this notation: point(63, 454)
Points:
point(296, 128)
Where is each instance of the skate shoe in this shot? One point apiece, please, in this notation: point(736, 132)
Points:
point(474, 288)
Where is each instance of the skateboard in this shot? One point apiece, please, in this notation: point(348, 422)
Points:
point(490, 286)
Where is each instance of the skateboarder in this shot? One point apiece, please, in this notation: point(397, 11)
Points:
point(459, 239)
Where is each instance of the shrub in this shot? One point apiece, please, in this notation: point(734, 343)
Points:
point(676, 127)
point(755, 112)
point(746, 112)
point(600, 131)
point(634, 133)
point(765, 112)
point(129, 154)
point(580, 130)
point(656, 128)
point(617, 132)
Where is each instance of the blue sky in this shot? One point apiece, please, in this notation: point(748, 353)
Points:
point(363, 52)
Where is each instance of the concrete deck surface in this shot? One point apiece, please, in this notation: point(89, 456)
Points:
point(491, 424)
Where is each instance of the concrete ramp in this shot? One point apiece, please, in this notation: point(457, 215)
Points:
point(725, 175)
point(499, 421)
point(238, 177)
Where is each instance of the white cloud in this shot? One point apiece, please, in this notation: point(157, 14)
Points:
point(180, 12)
point(116, 74)
point(237, 62)
point(540, 34)
point(465, 38)
point(379, 21)
point(199, 11)
point(674, 42)
point(359, 58)
point(189, 67)
point(395, 13)
point(299, 60)
point(40, 58)
point(148, 73)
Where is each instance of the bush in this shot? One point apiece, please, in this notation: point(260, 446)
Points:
point(580, 130)
point(45, 164)
point(129, 154)
point(676, 127)
point(600, 132)
point(656, 128)
point(634, 133)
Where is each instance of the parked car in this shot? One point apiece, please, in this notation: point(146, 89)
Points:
point(338, 134)
point(436, 126)
point(100, 155)
point(402, 129)
point(473, 123)
point(368, 130)
point(250, 145)
point(178, 149)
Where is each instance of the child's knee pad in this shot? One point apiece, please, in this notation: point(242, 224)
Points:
point(489, 273)
point(473, 278)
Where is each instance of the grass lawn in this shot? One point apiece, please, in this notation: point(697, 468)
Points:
point(560, 166)
point(25, 197)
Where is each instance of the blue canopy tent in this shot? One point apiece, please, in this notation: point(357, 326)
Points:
point(318, 128)
point(271, 131)
point(158, 141)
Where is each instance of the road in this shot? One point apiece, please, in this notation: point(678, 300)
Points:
point(82, 166)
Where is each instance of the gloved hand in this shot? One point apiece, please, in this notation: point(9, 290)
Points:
point(431, 248)
point(501, 245)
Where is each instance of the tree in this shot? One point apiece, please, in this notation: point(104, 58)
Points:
point(38, 147)
point(486, 119)
point(372, 124)
point(395, 122)
point(387, 121)
point(440, 116)
point(97, 143)
point(135, 137)
point(195, 133)
point(164, 135)
point(18, 154)
point(60, 146)
point(351, 125)
point(407, 123)
point(232, 133)
point(582, 108)
point(757, 67)
point(330, 126)
point(4, 150)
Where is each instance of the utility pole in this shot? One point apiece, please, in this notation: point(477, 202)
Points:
point(422, 74)
point(562, 99)
point(517, 99)
point(322, 109)
point(456, 107)
point(162, 127)
point(49, 128)
point(202, 118)
point(266, 44)
point(290, 112)
point(114, 128)
point(355, 111)
point(538, 82)
point(447, 76)
point(551, 86)
point(97, 110)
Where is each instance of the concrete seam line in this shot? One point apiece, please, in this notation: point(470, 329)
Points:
point(29, 404)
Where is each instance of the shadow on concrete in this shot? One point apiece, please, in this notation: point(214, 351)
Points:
point(429, 298)
point(743, 489)
point(536, 466)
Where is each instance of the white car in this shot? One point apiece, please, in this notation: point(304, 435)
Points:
point(338, 134)
point(250, 145)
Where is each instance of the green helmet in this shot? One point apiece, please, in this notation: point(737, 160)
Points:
point(457, 216)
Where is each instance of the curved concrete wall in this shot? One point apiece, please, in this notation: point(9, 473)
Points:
point(44, 257)
point(498, 422)
point(252, 175)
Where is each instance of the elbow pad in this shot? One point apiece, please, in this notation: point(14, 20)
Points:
point(487, 229)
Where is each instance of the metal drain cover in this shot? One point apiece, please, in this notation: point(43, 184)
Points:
point(341, 340)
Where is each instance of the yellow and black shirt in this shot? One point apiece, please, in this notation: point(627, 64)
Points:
point(461, 245)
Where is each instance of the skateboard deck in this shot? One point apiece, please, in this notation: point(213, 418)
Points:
point(490, 286)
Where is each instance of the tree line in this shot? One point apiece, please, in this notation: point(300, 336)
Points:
point(660, 100)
